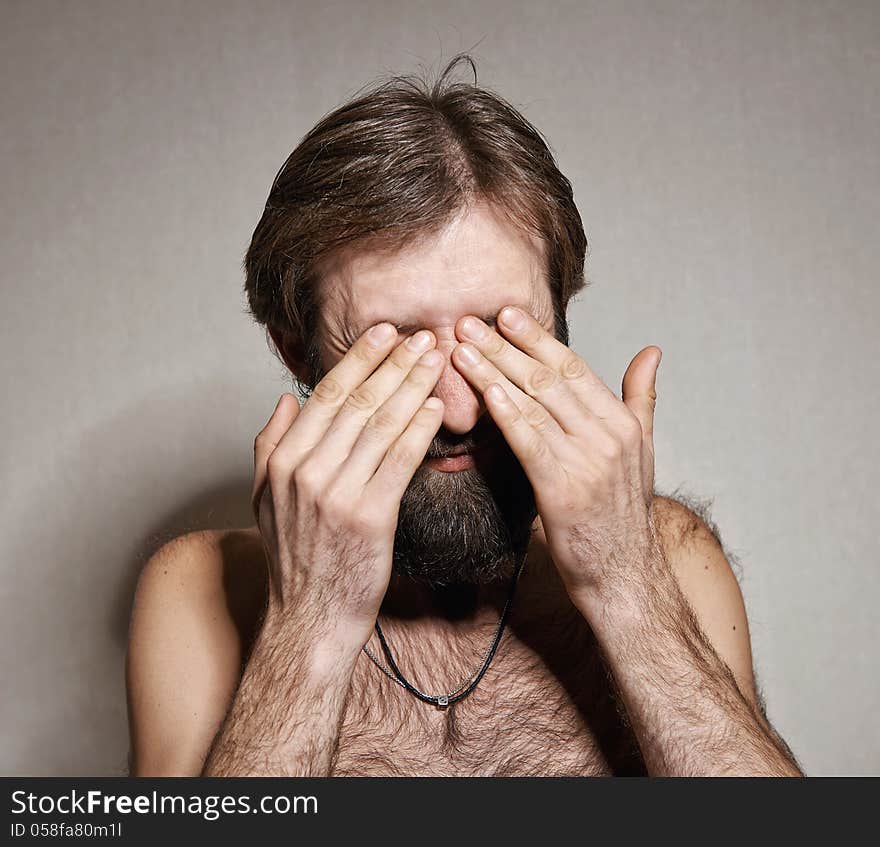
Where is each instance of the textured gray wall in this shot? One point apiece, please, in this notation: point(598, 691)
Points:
point(725, 160)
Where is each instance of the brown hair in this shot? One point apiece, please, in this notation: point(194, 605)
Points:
point(397, 161)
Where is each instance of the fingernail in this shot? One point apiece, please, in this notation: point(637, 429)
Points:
point(497, 393)
point(473, 328)
point(380, 333)
point(512, 318)
point(469, 354)
point(418, 342)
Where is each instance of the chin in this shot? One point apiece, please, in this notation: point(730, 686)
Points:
point(468, 527)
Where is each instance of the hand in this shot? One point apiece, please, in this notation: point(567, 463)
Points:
point(588, 456)
point(328, 480)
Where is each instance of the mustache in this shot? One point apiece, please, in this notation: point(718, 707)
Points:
point(447, 443)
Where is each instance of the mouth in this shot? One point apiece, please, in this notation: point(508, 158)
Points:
point(461, 457)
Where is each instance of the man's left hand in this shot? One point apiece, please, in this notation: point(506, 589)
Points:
point(588, 455)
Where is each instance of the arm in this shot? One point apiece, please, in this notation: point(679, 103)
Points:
point(287, 712)
point(675, 636)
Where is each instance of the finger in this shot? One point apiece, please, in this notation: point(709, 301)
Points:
point(331, 392)
point(528, 383)
point(639, 388)
point(416, 375)
point(528, 445)
point(405, 454)
point(528, 335)
point(286, 411)
point(386, 424)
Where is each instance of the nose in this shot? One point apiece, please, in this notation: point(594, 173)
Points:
point(463, 404)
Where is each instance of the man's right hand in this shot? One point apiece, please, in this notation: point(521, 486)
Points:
point(329, 478)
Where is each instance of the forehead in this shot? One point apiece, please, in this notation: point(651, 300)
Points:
point(476, 264)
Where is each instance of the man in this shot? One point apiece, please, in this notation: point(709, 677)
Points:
point(459, 564)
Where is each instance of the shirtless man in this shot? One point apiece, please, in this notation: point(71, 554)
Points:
point(413, 267)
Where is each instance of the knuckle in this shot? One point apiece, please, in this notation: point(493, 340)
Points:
point(539, 449)
point(611, 449)
point(425, 417)
point(306, 480)
point(332, 505)
point(536, 416)
point(360, 399)
point(534, 334)
point(328, 390)
point(401, 455)
point(399, 359)
point(382, 422)
point(541, 379)
point(276, 465)
point(363, 351)
point(495, 346)
point(422, 378)
point(514, 414)
point(573, 367)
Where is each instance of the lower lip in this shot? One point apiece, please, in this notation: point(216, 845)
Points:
point(452, 463)
point(462, 461)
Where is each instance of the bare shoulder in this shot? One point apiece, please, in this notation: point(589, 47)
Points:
point(690, 540)
point(693, 548)
point(219, 573)
point(196, 610)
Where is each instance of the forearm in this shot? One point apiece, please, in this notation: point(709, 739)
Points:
point(683, 703)
point(286, 714)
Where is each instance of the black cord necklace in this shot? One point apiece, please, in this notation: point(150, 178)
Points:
point(470, 682)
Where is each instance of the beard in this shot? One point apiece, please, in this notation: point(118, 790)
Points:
point(467, 527)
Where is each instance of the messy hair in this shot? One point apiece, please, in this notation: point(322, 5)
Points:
point(396, 162)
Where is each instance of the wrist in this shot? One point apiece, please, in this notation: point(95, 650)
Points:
point(636, 596)
point(308, 646)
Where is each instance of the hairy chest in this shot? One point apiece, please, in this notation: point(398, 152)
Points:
point(533, 714)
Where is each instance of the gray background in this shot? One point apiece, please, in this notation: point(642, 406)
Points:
point(725, 161)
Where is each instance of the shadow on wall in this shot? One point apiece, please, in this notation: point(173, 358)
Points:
point(112, 497)
point(224, 506)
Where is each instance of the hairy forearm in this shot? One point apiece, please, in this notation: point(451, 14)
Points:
point(682, 700)
point(286, 714)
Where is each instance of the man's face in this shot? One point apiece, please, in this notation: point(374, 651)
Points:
point(454, 526)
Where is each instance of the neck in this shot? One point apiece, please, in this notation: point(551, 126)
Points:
point(467, 607)
point(439, 634)
point(461, 605)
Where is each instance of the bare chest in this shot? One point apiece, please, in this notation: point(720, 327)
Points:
point(534, 713)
